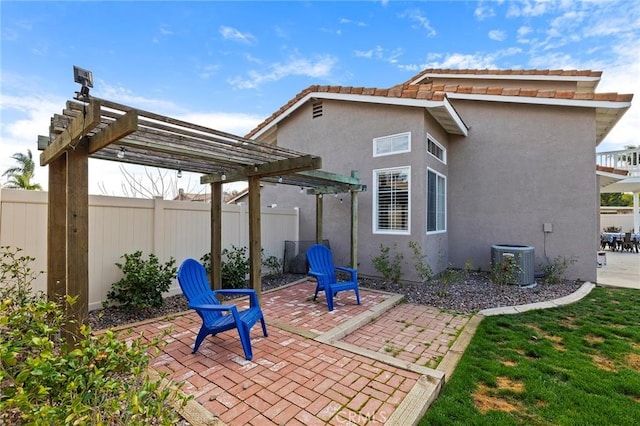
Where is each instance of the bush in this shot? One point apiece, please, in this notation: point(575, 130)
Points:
point(507, 271)
point(554, 270)
point(422, 267)
point(391, 269)
point(274, 265)
point(43, 380)
point(234, 268)
point(143, 283)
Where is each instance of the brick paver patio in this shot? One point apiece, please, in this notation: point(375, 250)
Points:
point(297, 378)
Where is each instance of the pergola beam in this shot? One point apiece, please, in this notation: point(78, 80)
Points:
point(79, 127)
point(121, 127)
point(274, 168)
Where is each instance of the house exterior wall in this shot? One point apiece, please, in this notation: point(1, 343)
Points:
point(520, 167)
point(343, 137)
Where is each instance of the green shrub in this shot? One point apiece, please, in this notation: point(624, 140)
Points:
point(143, 283)
point(273, 264)
point(16, 274)
point(422, 267)
point(507, 271)
point(234, 268)
point(554, 270)
point(44, 381)
point(389, 268)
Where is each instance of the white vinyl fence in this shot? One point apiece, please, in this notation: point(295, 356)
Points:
point(178, 229)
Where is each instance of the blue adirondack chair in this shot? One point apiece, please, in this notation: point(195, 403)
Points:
point(321, 267)
point(216, 317)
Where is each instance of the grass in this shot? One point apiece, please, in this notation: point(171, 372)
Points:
point(574, 365)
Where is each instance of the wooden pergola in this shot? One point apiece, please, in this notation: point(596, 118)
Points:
point(102, 129)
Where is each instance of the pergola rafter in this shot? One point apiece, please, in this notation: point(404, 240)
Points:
point(101, 129)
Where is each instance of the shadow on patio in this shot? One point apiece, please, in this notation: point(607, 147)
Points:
point(380, 362)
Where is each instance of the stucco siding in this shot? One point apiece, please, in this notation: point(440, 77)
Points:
point(343, 137)
point(520, 167)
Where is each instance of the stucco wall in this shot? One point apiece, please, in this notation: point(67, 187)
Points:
point(343, 137)
point(520, 167)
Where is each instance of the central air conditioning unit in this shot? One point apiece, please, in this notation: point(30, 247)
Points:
point(523, 255)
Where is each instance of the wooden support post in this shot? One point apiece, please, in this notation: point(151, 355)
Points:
point(57, 230)
point(354, 225)
point(78, 234)
point(255, 243)
point(216, 235)
point(319, 208)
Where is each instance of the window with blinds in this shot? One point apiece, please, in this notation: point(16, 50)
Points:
point(436, 202)
point(391, 207)
point(394, 144)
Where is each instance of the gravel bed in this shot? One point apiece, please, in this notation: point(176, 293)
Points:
point(471, 292)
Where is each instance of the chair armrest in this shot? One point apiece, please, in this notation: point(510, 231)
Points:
point(210, 307)
point(253, 296)
point(351, 271)
point(316, 274)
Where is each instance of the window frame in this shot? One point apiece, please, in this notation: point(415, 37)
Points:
point(443, 160)
point(381, 138)
point(438, 196)
point(376, 207)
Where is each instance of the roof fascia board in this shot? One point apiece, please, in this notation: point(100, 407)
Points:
point(515, 77)
point(454, 115)
point(422, 103)
point(540, 101)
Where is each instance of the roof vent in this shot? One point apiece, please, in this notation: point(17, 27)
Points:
point(316, 110)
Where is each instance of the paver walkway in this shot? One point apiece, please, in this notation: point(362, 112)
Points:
point(359, 364)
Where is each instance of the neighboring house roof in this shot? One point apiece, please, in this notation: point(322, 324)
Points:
point(422, 91)
point(189, 196)
point(610, 175)
point(240, 197)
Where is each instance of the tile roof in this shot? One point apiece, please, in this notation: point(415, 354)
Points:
point(613, 170)
point(437, 92)
point(506, 73)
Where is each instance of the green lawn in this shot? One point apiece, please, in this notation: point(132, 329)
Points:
point(574, 365)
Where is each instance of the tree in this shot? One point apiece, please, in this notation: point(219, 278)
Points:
point(616, 199)
point(19, 177)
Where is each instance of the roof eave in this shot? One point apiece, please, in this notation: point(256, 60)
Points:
point(608, 113)
point(442, 110)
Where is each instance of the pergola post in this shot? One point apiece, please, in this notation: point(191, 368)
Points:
point(78, 234)
point(354, 224)
point(319, 214)
point(255, 242)
point(216, 235)
point(57, 230)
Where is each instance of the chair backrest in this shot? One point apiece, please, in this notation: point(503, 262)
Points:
point(321, 260)
point(192, 277)
point(627, 237)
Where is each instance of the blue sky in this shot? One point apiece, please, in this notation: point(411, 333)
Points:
point(229, 65)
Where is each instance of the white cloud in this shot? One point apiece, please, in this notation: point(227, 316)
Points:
point(238, 124)
point(208, 71)
point(230, 33)
point(529, 8)
point(472, 61)
point(320, 67)
point(497, 35)
point(422, 21)
point(483, 11)
point(351, 22)
point(380, 53)
point(522, 34)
